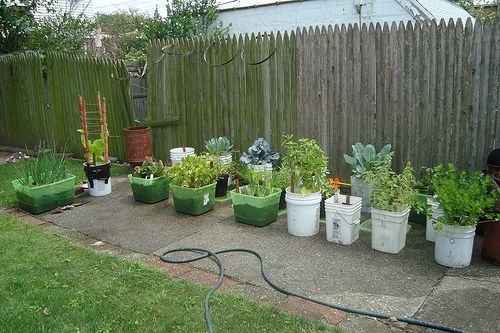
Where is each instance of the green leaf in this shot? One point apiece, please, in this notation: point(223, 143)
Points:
point(369, 153)
point(350, 160)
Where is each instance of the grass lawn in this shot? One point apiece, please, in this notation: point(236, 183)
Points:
point(48, 284)
point(75, 167)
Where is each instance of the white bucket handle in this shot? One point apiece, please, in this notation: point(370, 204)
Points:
point(336, 211)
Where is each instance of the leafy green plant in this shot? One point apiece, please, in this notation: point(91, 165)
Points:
point(307, 162)
point(150, 169)
point(96, 147)
point(365, 157)
point(259, 153)
point(281, 178)
point(219, 146)
point(47, 168)
point(194, 171)
point(463, 199)
point(259, 184)
point(391, 191)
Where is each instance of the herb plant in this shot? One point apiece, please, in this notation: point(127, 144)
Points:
point(463, 198)
point(150, 169)
point(96, 147)
point(366, 157)
point(281, 178)
point(307, 162)
point(259, 153)
point(391, 191)
point(194, 171)
point(47, 168)
point(259, 184)
point(219, 146)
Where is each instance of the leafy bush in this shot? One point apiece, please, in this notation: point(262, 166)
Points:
point(462, 198)
point(47, 168)
point(391, 191)
point(281, 178)
point(307, 162)
point(194, 171)
point(96, 147)
point(259, 184)
point(365, 158)
point(259, 153)
point(150, 169)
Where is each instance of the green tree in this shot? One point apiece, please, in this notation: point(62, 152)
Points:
point(17, 20)
point(61, 33)
point(124, 31)
point(479, 12)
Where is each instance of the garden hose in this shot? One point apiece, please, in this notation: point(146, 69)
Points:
point(203, 253)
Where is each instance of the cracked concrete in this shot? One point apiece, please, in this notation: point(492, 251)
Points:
point(410, 283)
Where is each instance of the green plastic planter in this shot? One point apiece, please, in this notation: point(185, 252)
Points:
point(150, 190)
point(256, 211)
point(43, 198)
point(193, 201)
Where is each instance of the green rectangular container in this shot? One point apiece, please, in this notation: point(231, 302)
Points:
point(43, 198)
point(256, 211)
point(193, 201)
point(150, 190)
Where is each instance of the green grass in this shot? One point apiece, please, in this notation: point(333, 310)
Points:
point(85, 291)
point(75, 167)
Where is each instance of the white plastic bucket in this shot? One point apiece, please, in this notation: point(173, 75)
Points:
point(177, 154)
point(389, 230)
point(361, 188)
point(225, 159)
point(100, 187)
point(342, 221)
point(302, 213)
point(430, 233)
point(454, 246)
point(263, 168)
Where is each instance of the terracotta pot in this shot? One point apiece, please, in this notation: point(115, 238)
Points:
point(491, 242)
point(138, 144)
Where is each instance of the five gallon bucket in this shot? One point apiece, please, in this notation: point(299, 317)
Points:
point(430, 233)
point(302, 213)
point(361, 188)
point(342, 220)
point(454, 245)
point(177, 154)
point(389, 230)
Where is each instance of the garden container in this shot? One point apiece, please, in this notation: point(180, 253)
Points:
point(342, 220)
point(226, 160)
point(256, 211)
point(99, 179)
point(491, 242)
point(177, 154)
point(150, 190)
point(221, 187)
point(389, 230)
point(419, 218)
point(43, 198)
point(138, 144)
point(454, 245)
point(282, 200)
point(302, 213)
point(362, 189)
point(430, 233)
point(263, 168)
point(193, 201)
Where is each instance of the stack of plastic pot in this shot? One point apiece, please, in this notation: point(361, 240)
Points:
point(342, 219)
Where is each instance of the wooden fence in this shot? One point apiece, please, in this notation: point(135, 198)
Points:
point(23, 119)
point(70, 76)
point(431, 90)
point(31, 113)
point(195, 99)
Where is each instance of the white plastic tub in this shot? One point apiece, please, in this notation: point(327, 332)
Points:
point(342, 221)
point(225, 159)
point(389, 230)
point(302, 213)
point(430, 233)
point(100, 187)
point(361, 188)
point(454, 246)
point(177, 154)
